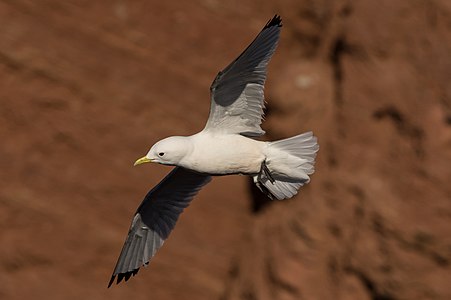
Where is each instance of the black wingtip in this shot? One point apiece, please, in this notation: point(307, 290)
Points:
point(122, 276)
point(275, 21)
point(111, 280)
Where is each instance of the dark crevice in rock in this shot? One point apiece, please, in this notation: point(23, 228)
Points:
point(334, 268)
point(332, 160)
point(346, 10)
point(405, 128)
point(445, 101)
point(10, 63)
point(423, 248)
point(422, 243)
point(232, 279)
point(277, 282)
point(448, 120)
point(390, 112)
point(301, 232)
point(369, 284)
point(338, 49)
point(335, 57)
point(248, 295)
point(310, 33)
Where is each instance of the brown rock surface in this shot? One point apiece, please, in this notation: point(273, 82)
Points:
point(87, 86)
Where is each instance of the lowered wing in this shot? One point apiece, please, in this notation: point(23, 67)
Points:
point(155, 219)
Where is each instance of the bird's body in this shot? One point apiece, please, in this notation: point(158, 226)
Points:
point(226, 154)
point(225, 146)
point(207, 155)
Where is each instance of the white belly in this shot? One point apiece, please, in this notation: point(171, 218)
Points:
point(224, 154)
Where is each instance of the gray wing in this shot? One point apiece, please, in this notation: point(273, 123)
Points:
point(237, 99)
point(155, 219)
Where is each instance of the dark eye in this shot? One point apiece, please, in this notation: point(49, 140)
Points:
point(161, 153)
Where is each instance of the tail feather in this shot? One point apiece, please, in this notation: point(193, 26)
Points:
point(304, 145)
point(289, 163)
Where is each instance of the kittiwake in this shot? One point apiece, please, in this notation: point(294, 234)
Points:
point(226, 146)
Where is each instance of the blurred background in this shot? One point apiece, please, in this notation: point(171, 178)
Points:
point(86, 87)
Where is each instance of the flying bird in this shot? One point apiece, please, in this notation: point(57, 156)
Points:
point(226, 146)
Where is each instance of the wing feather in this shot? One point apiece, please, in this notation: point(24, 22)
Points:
point(237, 99)
point(155, 219)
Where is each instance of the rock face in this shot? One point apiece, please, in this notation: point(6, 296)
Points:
point(87, 87)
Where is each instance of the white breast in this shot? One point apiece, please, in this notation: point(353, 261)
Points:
point(219, 154)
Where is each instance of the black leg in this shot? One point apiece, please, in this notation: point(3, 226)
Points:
point(267, 172)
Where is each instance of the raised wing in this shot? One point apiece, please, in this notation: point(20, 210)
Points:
point(155, 219)
point(237, 99)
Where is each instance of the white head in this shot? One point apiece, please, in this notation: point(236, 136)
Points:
point(169, 151)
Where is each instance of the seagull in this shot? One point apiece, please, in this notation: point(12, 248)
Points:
point(227, 145)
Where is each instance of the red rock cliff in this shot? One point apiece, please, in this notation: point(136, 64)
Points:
point(88, 86)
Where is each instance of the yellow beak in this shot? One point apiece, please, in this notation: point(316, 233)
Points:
point(142, 160)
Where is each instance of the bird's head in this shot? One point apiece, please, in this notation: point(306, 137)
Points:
point(169, 151)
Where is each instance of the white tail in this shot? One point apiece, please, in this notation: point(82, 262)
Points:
point(287, 166)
